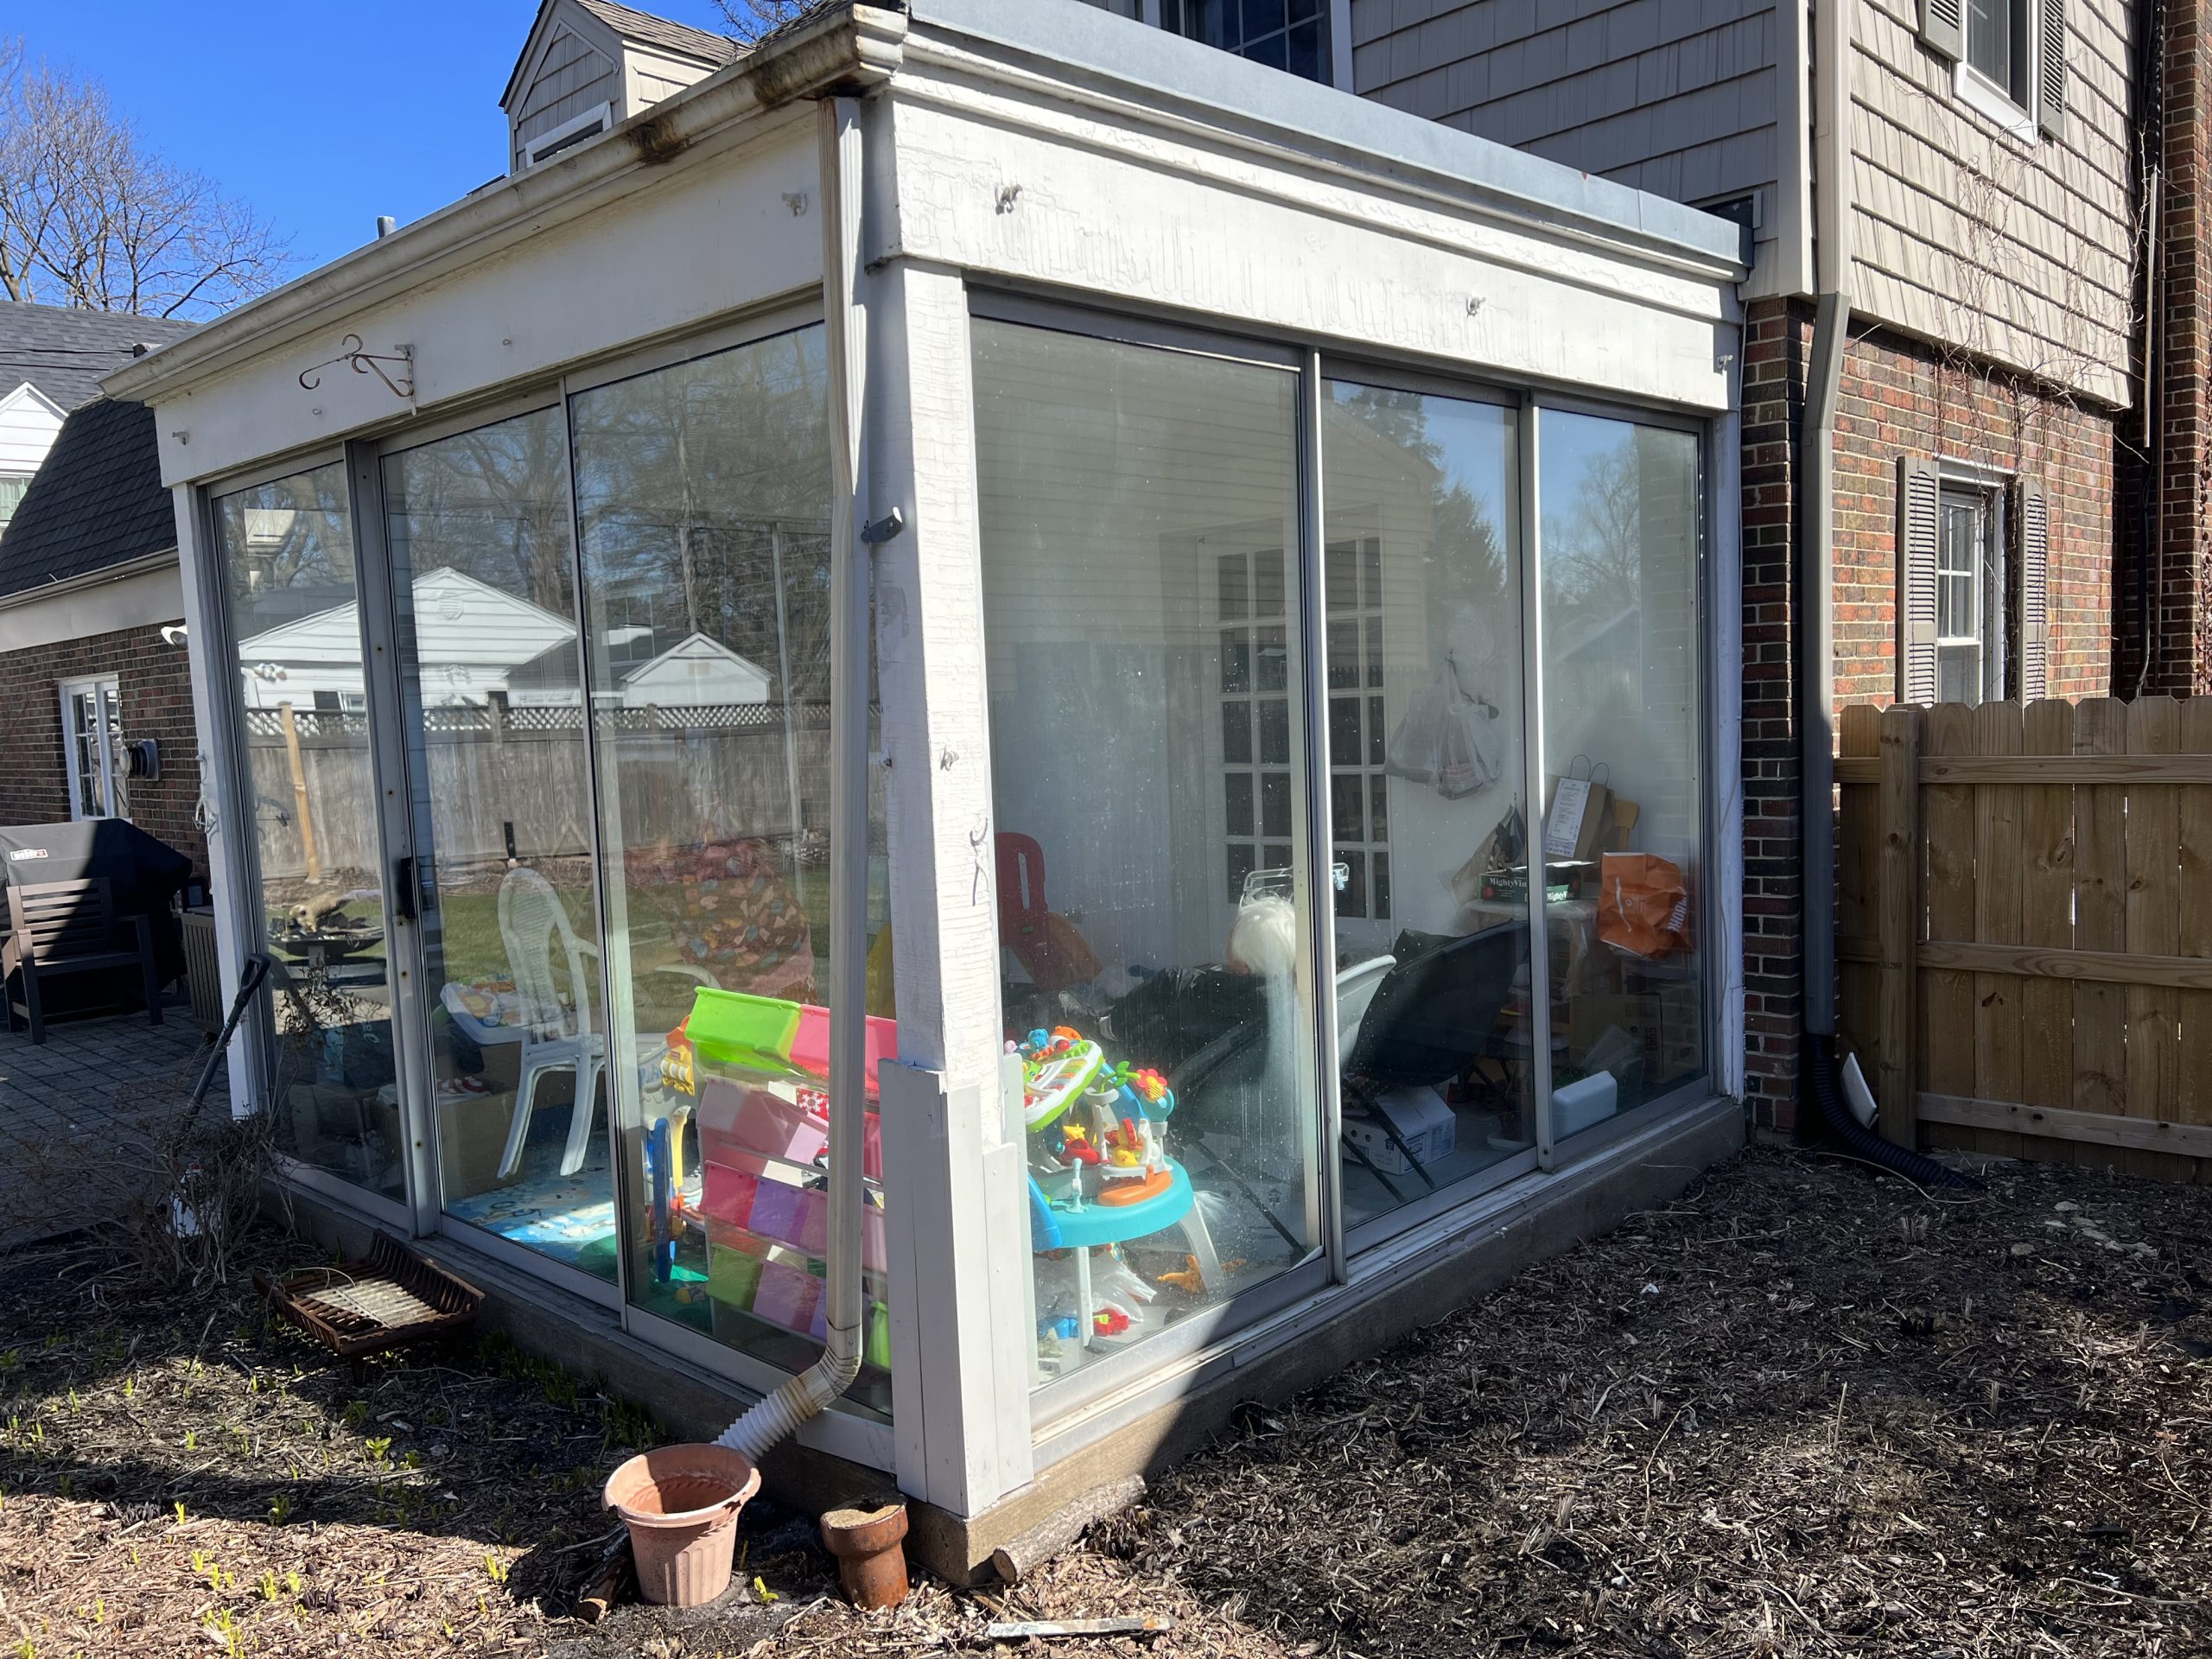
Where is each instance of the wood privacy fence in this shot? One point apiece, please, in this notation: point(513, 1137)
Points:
point(2024, 931)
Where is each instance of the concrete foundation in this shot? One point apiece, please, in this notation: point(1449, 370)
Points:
point(1413, 1281)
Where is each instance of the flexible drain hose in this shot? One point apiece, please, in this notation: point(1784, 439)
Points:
point(1835, 1114)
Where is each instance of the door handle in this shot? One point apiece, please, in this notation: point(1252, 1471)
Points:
point(403, 888)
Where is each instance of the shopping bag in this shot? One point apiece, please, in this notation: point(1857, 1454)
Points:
point(1644, 904)
point(1447, 739)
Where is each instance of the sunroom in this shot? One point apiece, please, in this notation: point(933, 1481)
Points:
point(1035, 591)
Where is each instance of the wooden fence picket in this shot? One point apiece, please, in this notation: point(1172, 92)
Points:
point(2024, 927)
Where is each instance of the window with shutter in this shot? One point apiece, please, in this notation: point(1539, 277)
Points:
point(1918, 492)
point(1944, 27)
point(2035, 592)
point(2050, 69)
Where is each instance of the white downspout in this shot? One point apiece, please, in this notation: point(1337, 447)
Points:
point(778, 1416)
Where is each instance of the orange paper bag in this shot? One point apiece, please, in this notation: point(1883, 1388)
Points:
point(1644, 904)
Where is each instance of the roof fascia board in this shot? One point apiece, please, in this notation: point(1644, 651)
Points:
point(847, 48)
point(1083, 45)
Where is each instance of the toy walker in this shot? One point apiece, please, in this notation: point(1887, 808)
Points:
point(1101, 1175)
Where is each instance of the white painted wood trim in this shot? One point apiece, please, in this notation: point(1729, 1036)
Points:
point(961, 1342)
point(597, 119)
point(228, 854)
point(1340, 46)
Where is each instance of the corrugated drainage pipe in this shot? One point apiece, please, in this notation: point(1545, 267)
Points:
point(779, 1416)
point(1862, 1142)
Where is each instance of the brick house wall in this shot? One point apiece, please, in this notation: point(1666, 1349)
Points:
point(1777, 335)
point(154, 689)
point(1897, 396)
point(1905, 396)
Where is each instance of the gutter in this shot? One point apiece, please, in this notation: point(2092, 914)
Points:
point(144, 565)
point(1816, 522)
point(848, 48)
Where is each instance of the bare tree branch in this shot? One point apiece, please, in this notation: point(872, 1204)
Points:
point(89, 217)
point(749, 20)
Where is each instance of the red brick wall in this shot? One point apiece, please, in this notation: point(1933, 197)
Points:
point(1777, 336)
point(1897, 396)
point(2181, 659)
point(1902, 396)
point(154, 689)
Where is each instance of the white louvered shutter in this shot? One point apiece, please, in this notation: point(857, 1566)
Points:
point(1943, 27)
point(2050, 67)
point(1917, 489)
point(2035, 592)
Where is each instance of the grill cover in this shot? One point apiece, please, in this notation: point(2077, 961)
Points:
point(143, 872)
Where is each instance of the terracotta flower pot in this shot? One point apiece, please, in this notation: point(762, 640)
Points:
point(870, 1562)
point(681, 1504)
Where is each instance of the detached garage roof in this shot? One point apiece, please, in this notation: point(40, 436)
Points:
point(98, 501)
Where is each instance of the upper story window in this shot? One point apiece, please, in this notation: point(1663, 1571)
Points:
point(12, 486)
point(1291, 35)
point(569, 134)
point(2011, 56)
point(1997, 40)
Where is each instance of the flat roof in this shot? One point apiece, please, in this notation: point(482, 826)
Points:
point(850, 44)
point(1071, 34)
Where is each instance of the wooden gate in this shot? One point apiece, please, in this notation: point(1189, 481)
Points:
point(2024, 931)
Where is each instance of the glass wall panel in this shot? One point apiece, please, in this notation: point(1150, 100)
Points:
point(286, 553)
point(702, 494)
point(483, 573)
point(1623, 762)
point(1141, 597)
point(1427, 783)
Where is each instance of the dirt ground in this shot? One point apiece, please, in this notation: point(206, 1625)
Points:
point(1806, 1409)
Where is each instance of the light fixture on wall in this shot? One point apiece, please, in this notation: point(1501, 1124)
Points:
point(175, 634)
point(142, 757)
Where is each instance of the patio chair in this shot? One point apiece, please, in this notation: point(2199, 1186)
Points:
point(59, 928)
point(556, 1034)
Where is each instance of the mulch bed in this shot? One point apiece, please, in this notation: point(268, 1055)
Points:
point(1806, 1409)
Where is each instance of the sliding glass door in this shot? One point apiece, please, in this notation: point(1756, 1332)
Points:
point(703, 503)
point(483, 606)
point(307, 783)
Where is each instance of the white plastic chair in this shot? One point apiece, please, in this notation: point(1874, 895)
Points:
point(556, 1035)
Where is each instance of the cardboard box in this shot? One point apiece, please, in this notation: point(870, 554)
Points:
point(472, 1134)
point(1423, 1121)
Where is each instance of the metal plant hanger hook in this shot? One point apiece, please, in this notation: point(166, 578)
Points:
point(361, 361)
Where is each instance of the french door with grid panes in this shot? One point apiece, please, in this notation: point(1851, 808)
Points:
point(1359, 800)
point(1258, 789)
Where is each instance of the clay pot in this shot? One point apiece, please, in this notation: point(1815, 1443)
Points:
point(681, 1504)
point(870, 1562)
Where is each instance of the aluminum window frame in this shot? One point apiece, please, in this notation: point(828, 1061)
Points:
point(1056, 1405)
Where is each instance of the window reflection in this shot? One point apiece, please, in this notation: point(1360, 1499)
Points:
point(1140, 595)
point(703, 495)
point(287, 552)
point(484, 593)
point(1424, 675)
point(1624, 848)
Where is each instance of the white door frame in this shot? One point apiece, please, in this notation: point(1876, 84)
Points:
point(107, 694)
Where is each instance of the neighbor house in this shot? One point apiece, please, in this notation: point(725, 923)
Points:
point(91, 686)
point(1063, 574)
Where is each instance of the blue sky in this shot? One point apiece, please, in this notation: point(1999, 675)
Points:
point(321, 113)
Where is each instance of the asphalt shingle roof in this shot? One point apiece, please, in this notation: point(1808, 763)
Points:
point(65, 351)
point(643, 27)
point(98, 501)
